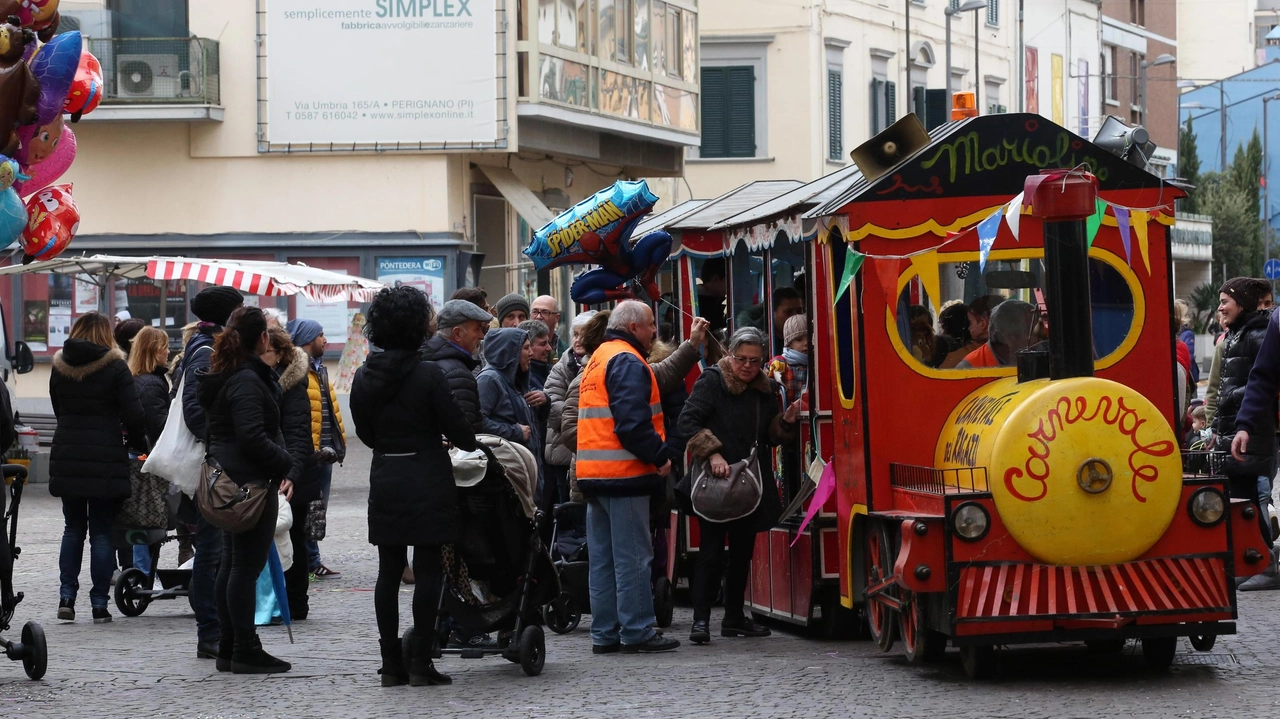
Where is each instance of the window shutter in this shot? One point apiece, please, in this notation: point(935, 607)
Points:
point(920, 103)
point(835, 115)
point(714, 102)
point(993, 12)
point(890, 103)
point(877, 102)
point(740, 120)
point(936, 111)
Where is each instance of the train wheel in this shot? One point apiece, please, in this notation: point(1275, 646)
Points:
point(1203, 642)
point(1159, 651)
point(879, 565)
point(979, 662)
point(919, 642)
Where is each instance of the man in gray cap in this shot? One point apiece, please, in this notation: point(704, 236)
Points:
point(328, 437)
point(461, 326)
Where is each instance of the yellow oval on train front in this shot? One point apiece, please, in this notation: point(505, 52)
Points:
point(1082, 471)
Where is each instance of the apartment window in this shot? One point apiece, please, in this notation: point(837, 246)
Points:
point(884, 104)
point(1138, 12)
point(675, 41)
point(625, 13)
point(728, 112)
point(993, 12)
point(835, 115)
point(1135, 62)
point(1109, 81)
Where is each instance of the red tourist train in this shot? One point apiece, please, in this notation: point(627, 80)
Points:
point(1039, 499)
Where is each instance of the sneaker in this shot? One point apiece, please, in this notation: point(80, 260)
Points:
point(656, 643)
point(477, 641)
point(325, 573)
point(66, 610)
point(743, 628)
point(605, 648)
point(101, 615)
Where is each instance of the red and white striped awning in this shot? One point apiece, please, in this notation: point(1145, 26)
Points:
point(266, 278)
point(274, 279)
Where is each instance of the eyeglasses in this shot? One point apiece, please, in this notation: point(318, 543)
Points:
point(747, 360)
point(545, 313)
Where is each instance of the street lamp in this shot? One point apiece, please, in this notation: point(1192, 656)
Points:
point(1187, 83)
point(967, 6)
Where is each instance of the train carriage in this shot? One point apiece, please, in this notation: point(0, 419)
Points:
point(1041, 498)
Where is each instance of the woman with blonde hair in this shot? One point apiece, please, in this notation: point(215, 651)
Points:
point(148, 362)
point(93, 396)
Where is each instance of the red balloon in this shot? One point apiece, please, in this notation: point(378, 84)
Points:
point(52, 222)
point(86, 89)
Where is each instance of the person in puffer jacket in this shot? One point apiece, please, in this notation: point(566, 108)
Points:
point(461, 327)
point(503, 384)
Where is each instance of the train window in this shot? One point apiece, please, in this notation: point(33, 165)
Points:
point(668, 310)
point(748, 303)
point(970, 333)
point(713, 287)
point(843, 331)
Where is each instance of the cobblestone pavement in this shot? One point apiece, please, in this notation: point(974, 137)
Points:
point(146, 666)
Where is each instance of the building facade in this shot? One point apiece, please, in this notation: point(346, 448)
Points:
point(1138, 39)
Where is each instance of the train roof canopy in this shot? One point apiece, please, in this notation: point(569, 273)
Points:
point(822, 190)
point(666, 217)
point(991, 155)
point(732, 203)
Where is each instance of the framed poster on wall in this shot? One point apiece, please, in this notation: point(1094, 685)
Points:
point(425, 273)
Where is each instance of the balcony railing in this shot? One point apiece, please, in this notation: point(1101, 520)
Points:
point(158, 71)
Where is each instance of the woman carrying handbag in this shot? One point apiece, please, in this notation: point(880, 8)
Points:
point(731, 416)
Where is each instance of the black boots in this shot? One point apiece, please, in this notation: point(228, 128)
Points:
point(226, 648)
point(700, 633)
point(249, 658)
point(743, 627)
point(393, 672)
point(422, 671)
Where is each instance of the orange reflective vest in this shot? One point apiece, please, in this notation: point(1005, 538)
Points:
point(982, 357)
point(601, 455)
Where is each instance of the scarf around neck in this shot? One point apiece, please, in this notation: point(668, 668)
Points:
point(795, 357)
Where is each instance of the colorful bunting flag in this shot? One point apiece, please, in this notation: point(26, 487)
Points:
point(852, 263)
point(1139, 220)
point(1013, 216)
point(888, 270)
point(987, 231)
point(925, 266)
point(1122, 222)
point(1094, 222)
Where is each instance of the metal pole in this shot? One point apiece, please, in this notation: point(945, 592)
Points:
point(1066, 259)
point(906, 58)
point(977, 52)
point(1222, 122)
point(1022, 58)
point(1142, 72)
point(948, 77)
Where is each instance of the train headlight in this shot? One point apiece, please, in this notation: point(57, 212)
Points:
point(1207, 507)
point(970, 521)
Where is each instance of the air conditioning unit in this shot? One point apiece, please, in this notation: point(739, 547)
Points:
point(149, 76)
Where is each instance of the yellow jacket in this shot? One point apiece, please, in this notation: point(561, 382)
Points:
point(317, 413)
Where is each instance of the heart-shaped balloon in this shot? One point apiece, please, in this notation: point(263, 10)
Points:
point(52, 222)
point(48, 172)
point(54, 66)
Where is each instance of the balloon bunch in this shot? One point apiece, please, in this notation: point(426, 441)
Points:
point(44, 76)
point(597, 231)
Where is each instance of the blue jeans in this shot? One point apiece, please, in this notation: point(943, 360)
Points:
point(621, 554)
point(324, 472)
point(142, 558)
point(95, 517)
point(204, 574)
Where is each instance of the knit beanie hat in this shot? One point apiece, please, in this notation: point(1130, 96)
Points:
point(1246, 291)
point(510, 303)
point(215, 304)
point(796, 326)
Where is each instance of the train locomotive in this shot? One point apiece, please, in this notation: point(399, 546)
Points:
point(1041, 498)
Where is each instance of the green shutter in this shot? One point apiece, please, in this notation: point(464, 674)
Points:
point(890, 103)
point(936, 111)
point(993, 12)
point(920, 103)
point(714, 102)
point(877, 102)
point(835, 115)
point(741, 118)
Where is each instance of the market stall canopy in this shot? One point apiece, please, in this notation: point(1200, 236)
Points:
point(276, 279)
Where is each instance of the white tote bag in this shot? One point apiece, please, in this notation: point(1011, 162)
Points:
point(178, 454)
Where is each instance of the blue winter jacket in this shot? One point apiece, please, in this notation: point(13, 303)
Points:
point(194, 361)
point(502, 387)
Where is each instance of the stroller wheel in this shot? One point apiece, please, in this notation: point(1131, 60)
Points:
point(533, 650)
point(36, 658)
point(128, 592)
point(664, 605)
point(561, 615)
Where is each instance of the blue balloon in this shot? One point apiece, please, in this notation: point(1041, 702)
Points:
point(55, 66)
point(13, 217)
point(596, 231)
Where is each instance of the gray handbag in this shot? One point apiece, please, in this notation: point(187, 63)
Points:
point(724, 499)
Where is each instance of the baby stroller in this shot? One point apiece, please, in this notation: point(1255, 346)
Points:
point(31, 650)
point(572, 562)
point(143, 521)
point(499, 575)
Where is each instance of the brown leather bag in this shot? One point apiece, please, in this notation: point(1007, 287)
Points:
point(226, 505)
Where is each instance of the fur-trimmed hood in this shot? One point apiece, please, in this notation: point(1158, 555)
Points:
point(296, 371)
point(737, 386)
point(80, 358)
point(660, 351)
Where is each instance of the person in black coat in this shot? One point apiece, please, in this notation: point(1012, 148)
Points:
point(96, 403)
point(461, 327)
point(295, 418)
point(732, 408)
point(241, 402)
point(401, 407)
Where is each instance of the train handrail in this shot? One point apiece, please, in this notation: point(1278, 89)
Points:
point(932, 480)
